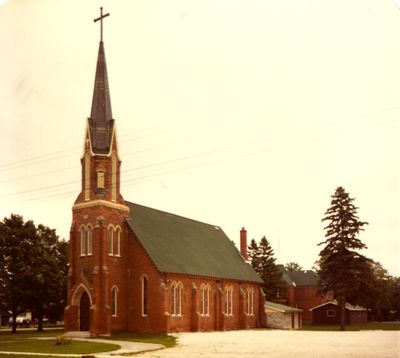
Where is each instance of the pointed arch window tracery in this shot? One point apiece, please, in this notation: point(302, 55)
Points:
point(229, 301)
point(86, 241)
point(250, 301)
point(176, 298)
point(83, 241)
point(145, 284)
point(114, 301)
point(114, 241)
point(205, 299)
point(89, 240)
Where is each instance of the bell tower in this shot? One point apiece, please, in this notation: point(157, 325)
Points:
point(98, 234)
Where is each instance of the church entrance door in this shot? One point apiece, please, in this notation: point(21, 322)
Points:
point(84, 312)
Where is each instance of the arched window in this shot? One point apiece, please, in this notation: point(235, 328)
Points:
point(144, 295)
point(228, 301)
point(114, 167)
point(110, 240)
point(205, 300)
point(176, 299)
point(250, 301)
point(87, 176)
point(117, 243)
point(83, 241)
point(114, 301)
point(89, 240)
point(100, 178)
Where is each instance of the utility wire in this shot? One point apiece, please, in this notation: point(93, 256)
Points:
point(208, 163)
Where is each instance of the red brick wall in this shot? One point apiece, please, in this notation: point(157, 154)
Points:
point(191, 318)
point(305, 297)
point(99, 272)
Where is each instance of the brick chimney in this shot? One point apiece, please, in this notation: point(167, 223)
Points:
point(243, 243)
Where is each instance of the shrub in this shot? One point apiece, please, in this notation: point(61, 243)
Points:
point(63, 340)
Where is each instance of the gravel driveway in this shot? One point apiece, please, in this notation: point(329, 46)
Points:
point(276, 343)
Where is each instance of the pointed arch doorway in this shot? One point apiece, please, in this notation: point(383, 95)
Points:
point(84, 312)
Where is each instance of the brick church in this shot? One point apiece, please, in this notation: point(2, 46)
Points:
point(134, 268)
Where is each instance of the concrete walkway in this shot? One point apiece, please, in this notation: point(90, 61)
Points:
point(125, 348)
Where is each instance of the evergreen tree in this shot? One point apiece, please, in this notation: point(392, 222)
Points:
point(262, 260)
point(253, 254)
point(342, 270)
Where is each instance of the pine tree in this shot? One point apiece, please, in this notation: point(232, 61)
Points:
point(342, 270)
point(253, 253)
point(262, 260)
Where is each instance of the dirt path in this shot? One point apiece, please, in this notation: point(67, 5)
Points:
point(293, 344)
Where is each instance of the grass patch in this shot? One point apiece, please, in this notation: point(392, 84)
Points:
point(27, 341)
point(30, 356)
point(6, 334)
point(49, 346)
point(371, 326)
point(158, 338)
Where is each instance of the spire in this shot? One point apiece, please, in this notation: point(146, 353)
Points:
point(101, 122)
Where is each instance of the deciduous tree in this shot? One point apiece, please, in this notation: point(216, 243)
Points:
point(33, 268)
point(17, 241)
point(293, 266)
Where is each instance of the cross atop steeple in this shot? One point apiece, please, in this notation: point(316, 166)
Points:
point(101, 122)
point(101, 22)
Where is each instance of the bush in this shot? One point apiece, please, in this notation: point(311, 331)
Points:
point(63, 340)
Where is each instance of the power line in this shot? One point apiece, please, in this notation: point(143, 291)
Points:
point(174, 170)
point(72, 151)
point(184, 158)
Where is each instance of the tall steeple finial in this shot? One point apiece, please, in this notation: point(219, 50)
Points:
point(100, 120)
point(101, 22)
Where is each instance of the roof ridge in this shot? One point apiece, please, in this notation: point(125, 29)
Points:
point(177, 215)
point(181, 245)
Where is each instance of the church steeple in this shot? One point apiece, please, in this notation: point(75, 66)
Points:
point(101, 122)
point(100, 159)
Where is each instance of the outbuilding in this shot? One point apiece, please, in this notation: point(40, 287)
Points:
point(329, 313)
point(283, 317)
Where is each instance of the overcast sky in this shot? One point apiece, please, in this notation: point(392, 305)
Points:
point(232, 112)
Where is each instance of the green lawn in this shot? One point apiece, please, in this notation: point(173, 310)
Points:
point(382, 326)
point(27, 356)
point(26, 341)
point(49, 346)
point(160, 338)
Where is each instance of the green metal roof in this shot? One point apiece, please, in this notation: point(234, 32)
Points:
point(281, 308)
point(300, 278)
point(181, 245)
